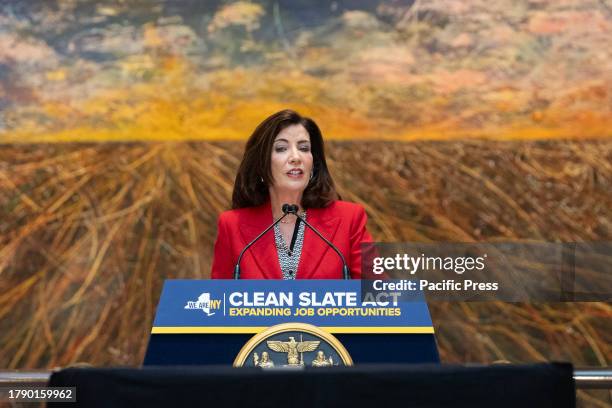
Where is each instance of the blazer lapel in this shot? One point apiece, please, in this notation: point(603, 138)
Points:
point(263, 252)
point(314, 248)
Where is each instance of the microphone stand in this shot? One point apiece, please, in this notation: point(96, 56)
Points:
point(286, 212)
point(346, 273)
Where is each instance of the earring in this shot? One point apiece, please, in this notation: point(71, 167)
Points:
point(261, 178)
point(311, 174)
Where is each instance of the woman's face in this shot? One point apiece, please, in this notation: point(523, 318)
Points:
point(291, 159)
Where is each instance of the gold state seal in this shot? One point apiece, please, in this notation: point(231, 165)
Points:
point(292, 345)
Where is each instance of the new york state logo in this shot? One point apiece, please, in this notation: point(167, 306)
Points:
point(204, 303)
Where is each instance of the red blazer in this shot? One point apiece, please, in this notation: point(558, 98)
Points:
point(341, 222)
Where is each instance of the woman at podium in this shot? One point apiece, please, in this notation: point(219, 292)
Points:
point(284, 163)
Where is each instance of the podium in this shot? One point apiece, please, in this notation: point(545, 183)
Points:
point(208, 322)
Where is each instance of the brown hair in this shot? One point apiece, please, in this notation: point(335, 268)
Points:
point(250, 191)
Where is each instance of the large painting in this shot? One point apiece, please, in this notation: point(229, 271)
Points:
point(122, 124)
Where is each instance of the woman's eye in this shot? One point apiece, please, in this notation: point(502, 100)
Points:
point(279, 149)
point(305, 148)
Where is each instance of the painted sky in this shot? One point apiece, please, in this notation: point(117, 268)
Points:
point(174, 70)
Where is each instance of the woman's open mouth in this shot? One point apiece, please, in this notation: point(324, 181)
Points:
point(295, 173)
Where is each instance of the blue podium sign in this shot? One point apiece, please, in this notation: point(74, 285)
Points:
point(228, 306)
point(208, 321)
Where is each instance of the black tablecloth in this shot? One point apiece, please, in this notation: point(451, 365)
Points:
point(539, 385)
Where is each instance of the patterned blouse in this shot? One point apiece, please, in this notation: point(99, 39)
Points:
point(289, 260)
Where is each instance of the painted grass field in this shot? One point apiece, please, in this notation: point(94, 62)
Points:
point(90, 231)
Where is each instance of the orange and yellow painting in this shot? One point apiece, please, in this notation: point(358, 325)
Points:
point(83, 70)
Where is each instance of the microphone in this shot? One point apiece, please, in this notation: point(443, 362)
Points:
point(285, 208)
point(293, 209)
